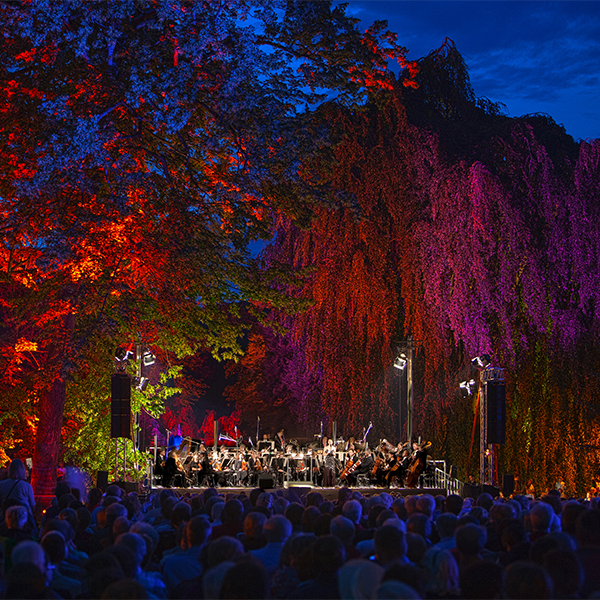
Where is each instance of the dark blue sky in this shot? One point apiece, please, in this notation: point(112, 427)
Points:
point(532, 56)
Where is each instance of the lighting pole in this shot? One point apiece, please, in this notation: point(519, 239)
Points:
point(492, 416)
point(404, 362)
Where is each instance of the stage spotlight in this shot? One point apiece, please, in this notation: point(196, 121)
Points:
point(148, 358)
point(467, 387)
point(481, 361)
point(400, 362)
point(142, 384)
point(123, 354)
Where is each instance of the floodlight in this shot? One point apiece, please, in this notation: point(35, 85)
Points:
point(142, 384)
point(467, 387)
point(148, 358)
point(482, 361)
point(400, 362)
point(123, 354)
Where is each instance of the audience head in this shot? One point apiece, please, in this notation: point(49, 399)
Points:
point(390, 544)
point(197, 531)
point(17, 470)
point(277, 529)
point(16, 517)
point(343, 529)
point(540, 517)
point(470, 539)
point(482, 580)
point(525, 580)
point(328, 555)
point(352, 510)
point(446, 524)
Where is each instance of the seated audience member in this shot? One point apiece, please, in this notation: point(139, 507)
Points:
point(390, 545)
point(526, 580)
point(183, 567)
point(470, 541)
point(233, 523)
point(246, 578)
point(328, 557)
point(253, 537)
point(566, 573)
point(482, 580)
point(151, 580)
point(540, 518)
point(514, 541)
point(30, 574)
point(343, 529)
point(441, 572)
point(446, 526)
point(55, 547)
point(295, 564)
point(276, 530)
point(15, 524)
point(358, 578)
point(588, 551)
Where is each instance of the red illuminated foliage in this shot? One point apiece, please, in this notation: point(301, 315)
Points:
point(143, 146)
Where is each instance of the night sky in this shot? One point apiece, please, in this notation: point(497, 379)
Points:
point(532, 56)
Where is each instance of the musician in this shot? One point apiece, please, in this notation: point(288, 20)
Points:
point(367, 463)
point(278, 467)
point(280, 442)
point(329, 464)
point(207, 472)
point(224, 468)
point(170, 469)
point(350, 467)
point(240, 468)
point(350, 444)
point(265, 443)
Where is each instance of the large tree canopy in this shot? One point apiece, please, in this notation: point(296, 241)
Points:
point(144, 144)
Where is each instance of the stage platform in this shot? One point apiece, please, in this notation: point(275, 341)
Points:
point(302, 488)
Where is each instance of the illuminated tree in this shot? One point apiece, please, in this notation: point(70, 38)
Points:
point(144, 143)
point(472, 232)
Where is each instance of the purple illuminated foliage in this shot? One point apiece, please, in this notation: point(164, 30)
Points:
point(476, 233)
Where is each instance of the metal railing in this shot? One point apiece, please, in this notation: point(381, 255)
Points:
point(438, 477)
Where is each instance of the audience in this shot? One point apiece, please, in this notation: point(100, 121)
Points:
point(283, 545)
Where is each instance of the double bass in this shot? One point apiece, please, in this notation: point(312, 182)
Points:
point(417, 466)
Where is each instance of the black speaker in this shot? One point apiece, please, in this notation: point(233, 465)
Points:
point(508, 484)
point(120, 406)
point(496, 412)
point(471, 491)
point(493, 491)
point(102, 480)
point(265, 482)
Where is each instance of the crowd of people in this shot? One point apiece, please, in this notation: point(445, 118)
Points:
point(281, 544)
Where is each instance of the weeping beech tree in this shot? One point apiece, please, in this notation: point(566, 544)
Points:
point(474, 233)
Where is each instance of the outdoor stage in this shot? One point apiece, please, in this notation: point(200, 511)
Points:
point(328, 493)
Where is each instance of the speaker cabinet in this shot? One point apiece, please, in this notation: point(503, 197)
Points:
point(508, 484)
point(496, 412)
point(120, 406)
point(102, 480)
point(265, 482)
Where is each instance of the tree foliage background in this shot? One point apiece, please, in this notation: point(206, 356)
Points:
point(145, 143)
point(473, 233)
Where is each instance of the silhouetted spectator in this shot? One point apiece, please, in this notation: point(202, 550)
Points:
point(527, 581)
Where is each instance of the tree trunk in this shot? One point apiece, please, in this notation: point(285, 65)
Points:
point(48, 438)
point(49, 429)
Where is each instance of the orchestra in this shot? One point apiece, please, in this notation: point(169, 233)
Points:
point(325, 462)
